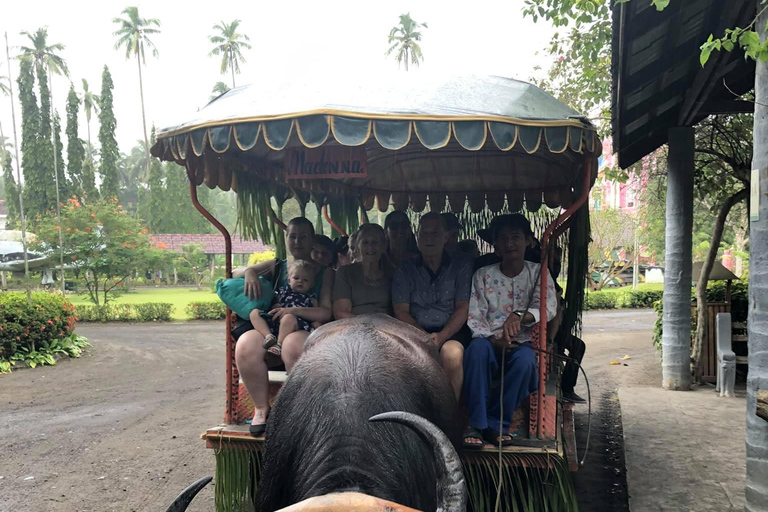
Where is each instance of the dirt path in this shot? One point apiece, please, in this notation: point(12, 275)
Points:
point(119, 429)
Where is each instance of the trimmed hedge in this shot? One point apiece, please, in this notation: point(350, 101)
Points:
point(147, 312)
point(210, 310)
point(49, 317)
point(623, 299)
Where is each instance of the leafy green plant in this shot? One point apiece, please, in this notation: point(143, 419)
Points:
point(601, 300)
point(48, 317)
point(147, 312)
point(70, 346)
point(640, 298)
point(213, 310)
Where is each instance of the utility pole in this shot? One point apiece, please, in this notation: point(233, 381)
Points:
point(18, 177)
point(636, 266)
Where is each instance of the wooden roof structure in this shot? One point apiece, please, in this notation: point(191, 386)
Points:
point(658, 81)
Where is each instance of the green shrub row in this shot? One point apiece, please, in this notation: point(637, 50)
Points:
point(45, 354)
point(623, 299)
point(209, 310)
point(48, 317)
point(147, 312)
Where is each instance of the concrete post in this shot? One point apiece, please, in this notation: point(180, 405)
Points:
point(756, 489)
point(676, 340)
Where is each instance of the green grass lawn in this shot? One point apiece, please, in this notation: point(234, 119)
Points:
point(179, 297)
point(656, 287)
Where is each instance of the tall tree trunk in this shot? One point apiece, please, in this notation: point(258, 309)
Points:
point(90, 151)
point(756, 491)
point(22, 217)
point(676, 339)
point(144, 122)
point(232, 67)
point(702, 314)
point(56, 179)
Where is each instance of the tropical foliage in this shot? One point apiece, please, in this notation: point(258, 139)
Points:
point(133, 37)
point(110, 181)
point(194, 258)
point(103, 244)
point(612, 248)
point(404, 41)
point(26, 327)
point(229, 43)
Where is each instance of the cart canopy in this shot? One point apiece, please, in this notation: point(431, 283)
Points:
point(490, 141)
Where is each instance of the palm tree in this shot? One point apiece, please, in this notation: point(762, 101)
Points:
point(228, 44)
point(133, 36)
point(404, 41)
point(218, 89)
point(91, 106)
point(46, 60)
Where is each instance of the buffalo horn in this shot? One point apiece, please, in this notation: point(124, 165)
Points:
point(183, 500)
point(451, 488)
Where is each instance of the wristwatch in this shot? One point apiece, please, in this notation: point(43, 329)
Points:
point(520, 314)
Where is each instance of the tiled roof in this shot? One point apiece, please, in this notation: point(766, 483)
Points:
point(3, 208)
point(214, 244)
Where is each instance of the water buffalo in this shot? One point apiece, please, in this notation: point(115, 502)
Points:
point(319, 439)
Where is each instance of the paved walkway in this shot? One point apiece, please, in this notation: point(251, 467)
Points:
point(684, 450)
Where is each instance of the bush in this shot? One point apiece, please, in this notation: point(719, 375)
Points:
point(601, 300)
point(640, 298)
point(49, 317)
point(211, 310)
point(148, 312)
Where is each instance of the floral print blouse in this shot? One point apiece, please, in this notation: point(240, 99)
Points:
point(495, 296)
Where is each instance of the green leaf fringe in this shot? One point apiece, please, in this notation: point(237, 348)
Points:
point(530, 483)
point(237, 472)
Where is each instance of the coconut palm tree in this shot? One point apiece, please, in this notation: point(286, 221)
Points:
point(48, 62)
point(218, 89)
point(228, 44)
point(404, 41)
point(91, 106)
point(133, 36)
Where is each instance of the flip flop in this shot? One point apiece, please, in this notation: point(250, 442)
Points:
point(258, 429)
point(473, 433)
point(495, 438)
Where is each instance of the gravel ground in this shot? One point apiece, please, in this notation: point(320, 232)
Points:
point(119, 428)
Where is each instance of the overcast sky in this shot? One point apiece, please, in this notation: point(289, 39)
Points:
point(289, 38)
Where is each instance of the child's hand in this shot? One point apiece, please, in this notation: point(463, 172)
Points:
point(277, 313)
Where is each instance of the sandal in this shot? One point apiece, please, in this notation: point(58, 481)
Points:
point(497, 439)
point(276, 349)
point(473, 433)
point(270, 340)
point(257, 429)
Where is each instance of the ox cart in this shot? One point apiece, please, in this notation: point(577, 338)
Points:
point(477, 146)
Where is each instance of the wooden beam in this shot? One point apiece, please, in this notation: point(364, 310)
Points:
point(727, 107)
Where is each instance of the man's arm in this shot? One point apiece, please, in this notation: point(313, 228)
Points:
point(457, 320)
point(403, 313)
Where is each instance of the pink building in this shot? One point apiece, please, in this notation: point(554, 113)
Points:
point(614, 194)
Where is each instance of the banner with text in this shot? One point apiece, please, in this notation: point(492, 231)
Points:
point(330, 162)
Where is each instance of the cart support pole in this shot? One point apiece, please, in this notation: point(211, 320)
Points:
point(233, 379)
point(561, 219)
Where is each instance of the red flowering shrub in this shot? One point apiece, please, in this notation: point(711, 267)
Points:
point(49, 317)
